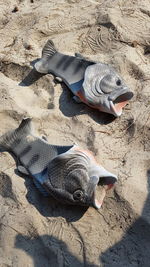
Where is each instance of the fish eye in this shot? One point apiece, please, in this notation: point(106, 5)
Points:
point(118, 82)
point(77, 195)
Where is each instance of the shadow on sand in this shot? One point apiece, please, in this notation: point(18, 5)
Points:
point(131, 250)
point(31, 78)
point(48, 206)
point(67, 105)
point(70, 108)
point(134, 247)
point(48, 251)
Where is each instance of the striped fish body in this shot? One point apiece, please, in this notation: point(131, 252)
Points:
point(68, 173)
point(70, 69)
point(33, 153)
point(96, 84)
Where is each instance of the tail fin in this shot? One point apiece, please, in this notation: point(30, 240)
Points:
point(8, 139)
point(48, 50)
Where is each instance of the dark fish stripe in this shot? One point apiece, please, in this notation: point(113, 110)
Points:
point(78, 67)
point(61, 61)
point(32, 161)
point(25, 151)
point(16, 143)
point(68, 62)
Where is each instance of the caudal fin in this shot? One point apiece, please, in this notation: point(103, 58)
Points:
point(9, 139)
point(48, 51)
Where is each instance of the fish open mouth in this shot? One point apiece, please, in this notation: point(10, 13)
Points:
point(106, 183)
point(98, 198)
point(120, 102)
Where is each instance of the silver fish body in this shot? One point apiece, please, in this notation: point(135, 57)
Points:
point(96, 84)
point(68, 173)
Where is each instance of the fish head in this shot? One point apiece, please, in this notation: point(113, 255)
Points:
point(69, 181)
point(105, 90)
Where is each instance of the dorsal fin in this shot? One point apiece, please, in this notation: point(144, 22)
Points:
point(49, 49)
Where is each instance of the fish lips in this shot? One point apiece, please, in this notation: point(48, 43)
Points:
point(106, 184)
point(118, 99)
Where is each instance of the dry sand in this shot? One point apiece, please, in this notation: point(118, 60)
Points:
point(40, 232)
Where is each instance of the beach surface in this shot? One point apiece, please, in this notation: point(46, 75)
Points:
point(41, 232)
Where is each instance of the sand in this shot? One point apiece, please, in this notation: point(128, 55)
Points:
point(40, 232)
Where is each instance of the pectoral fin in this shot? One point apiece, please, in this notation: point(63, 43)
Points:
point(58, 79)
point(79, 56)
point(23, 170)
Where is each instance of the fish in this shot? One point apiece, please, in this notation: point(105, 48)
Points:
point(70, 174)
point(96, 84)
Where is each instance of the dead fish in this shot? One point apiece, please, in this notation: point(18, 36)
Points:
point(68, 173)
point(96, 84)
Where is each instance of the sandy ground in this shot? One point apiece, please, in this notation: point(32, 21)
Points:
point(40, 232)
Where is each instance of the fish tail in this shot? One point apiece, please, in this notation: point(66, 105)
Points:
point(49, 50)
point(8, 139)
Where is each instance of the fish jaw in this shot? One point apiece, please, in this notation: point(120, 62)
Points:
point(118, 100)
point(107, 180)
point(98, 201)
point(114, 104)
point(117, 108)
